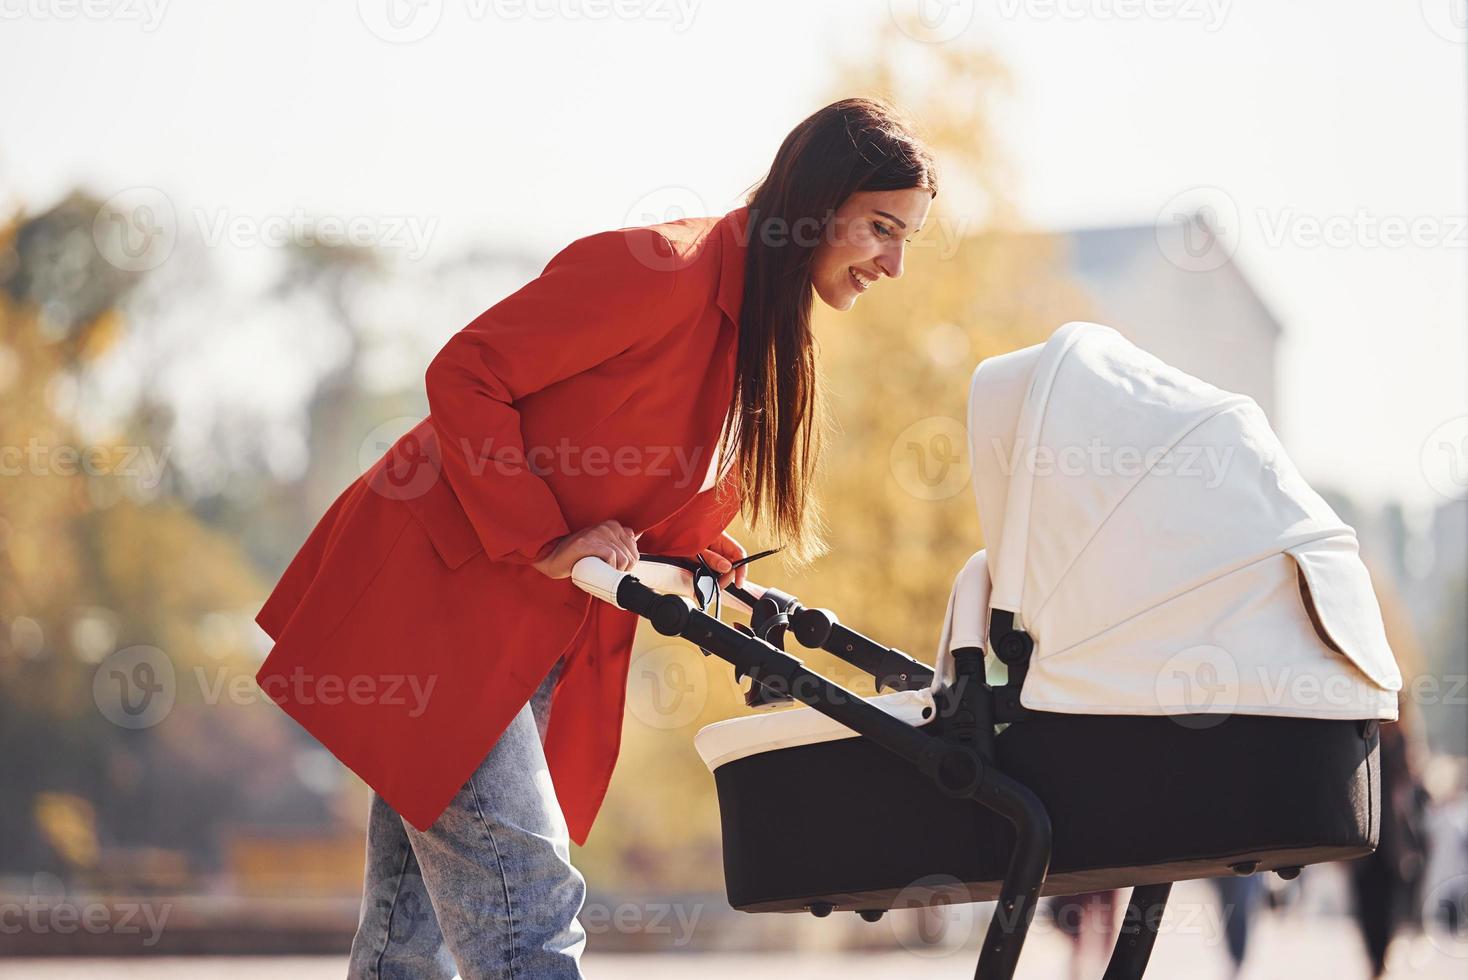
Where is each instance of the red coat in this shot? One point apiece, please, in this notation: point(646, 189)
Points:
point(411, 628)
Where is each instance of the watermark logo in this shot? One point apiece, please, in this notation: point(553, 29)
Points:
point(656, 207)
point(1448, 19)
point(945, 918)
point(135, 687)
point(1444, 917)
point(399, 904)
point(1444, 458)
point(400, 21)
point(1208, 681)
point(1201, 681)
point(1198, 229)
point(136, 229)
point(932, 21)
point(667, 686)
point(410, 471)
point(138, 687)
point(930, 458)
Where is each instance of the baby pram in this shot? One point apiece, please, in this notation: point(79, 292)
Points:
point(1169, 664)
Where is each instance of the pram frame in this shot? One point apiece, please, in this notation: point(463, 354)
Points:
point(961, 765)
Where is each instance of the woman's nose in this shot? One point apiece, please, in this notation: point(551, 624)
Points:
point(890, 262)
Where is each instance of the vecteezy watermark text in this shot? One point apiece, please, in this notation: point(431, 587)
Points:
point(411, 470)
point(400, 22)
point(674, 919)
point(36, 458)
point(1210, 13)
point(147, 14)
point(138, 687)
point(1096, 458)
point(301, 687)
point(44, 915)
point(410, 234)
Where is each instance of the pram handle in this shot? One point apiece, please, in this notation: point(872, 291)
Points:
point(676, 614)
point(772, 613)
point(599, 578)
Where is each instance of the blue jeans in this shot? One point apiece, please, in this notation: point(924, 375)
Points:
point(489, 889)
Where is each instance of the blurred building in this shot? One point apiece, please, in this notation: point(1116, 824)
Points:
point(1175, 291)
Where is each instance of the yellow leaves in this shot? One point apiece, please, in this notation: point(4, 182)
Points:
point(69, 825)
point(105, 331)
point(77, 541)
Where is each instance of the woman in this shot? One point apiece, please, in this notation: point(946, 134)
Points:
point(428, 628)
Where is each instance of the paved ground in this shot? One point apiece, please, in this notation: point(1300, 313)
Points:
point(1292, 949)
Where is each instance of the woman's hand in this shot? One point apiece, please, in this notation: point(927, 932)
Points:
point(611, 541)
point(722, 554)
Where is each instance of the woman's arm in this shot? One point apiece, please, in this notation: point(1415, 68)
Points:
point(597, 298)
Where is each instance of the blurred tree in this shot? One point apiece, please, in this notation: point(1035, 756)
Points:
point(54, 266)
point(94, 561)
point(272, 513)
point(97, 562)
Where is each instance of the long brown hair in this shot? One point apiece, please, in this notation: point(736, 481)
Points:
point(848, 146)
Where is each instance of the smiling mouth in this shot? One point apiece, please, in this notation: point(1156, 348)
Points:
point(859, 281)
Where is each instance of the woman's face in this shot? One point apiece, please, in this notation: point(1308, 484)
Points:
point(864, 242)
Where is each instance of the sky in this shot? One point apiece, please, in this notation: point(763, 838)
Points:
point(1322, 133)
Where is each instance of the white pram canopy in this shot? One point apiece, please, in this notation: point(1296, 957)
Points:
point(1151, 535)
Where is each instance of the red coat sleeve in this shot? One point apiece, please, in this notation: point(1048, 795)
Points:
point(598, 297)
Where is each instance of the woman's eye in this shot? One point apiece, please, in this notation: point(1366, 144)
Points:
point(882, 229)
